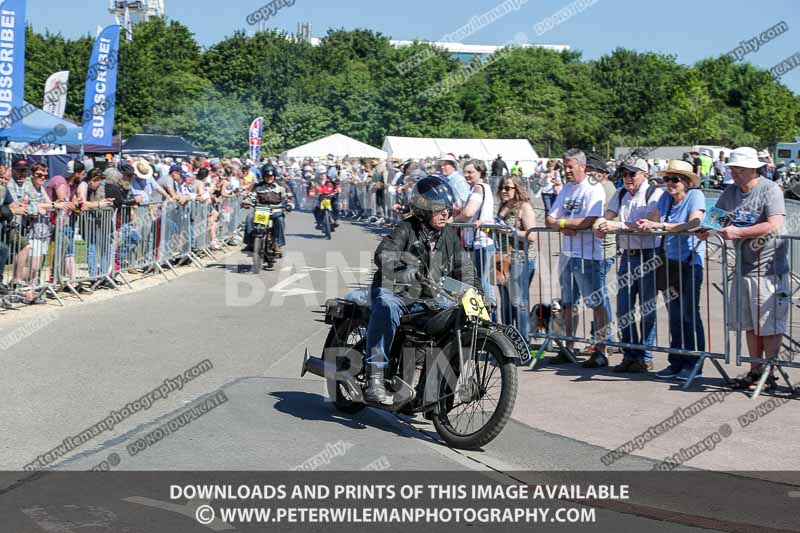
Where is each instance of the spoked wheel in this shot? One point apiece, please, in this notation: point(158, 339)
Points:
point(477, 404)
point(344, 334)
point(326, 226)
point(258, 253)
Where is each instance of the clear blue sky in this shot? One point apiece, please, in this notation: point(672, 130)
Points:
point(689, 29)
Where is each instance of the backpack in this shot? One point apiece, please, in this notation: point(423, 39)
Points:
point(650, 190)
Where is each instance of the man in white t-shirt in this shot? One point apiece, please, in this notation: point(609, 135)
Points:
point(577, 207)
point(636, 276)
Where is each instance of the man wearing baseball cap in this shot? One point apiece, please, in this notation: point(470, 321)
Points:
point(458, 183)
point(636, 200)
point(761, 294)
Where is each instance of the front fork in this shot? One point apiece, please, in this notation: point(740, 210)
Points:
point(466, 365)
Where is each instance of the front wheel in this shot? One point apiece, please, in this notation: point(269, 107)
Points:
point(269, 255)
point(258, 253)
point(326, 225)
point(475, 407)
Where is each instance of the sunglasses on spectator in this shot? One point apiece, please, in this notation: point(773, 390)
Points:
point(671, 179)
point(443, 211)
point(39, 175)
point(507, 188)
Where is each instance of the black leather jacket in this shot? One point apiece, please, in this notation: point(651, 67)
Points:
point(413, 247)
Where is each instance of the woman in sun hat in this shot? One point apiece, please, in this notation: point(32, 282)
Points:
point(680, 211)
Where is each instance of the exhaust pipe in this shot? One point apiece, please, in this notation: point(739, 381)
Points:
point(324, 369)
point(317, 366)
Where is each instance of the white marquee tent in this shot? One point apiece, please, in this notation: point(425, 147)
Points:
point(337, 144)
point(512, 150)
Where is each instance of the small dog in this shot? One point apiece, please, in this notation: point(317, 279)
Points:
point(547, 318)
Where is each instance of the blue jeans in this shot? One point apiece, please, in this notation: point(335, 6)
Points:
point(69, 236)
point(685, 325)
point(514, 295)
point(607, 265)
point(386, 309)
point(484, 261)
point(582, 277)
point(91, 257)
point(278, 229)
point(355, 203)
point(5, 252)
point(548, 200)
point(129, 237)
point(635, 282)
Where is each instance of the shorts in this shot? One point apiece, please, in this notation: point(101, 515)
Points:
point(765, 297)
point(39, 247)
point(582, 277)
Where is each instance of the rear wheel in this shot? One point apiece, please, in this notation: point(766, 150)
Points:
point(258, 253)
point(342, 335)
point(476, 405)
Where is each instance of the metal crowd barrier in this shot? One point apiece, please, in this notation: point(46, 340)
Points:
point(199, 234)
point(84, 248)
point(496, 247)
point(176, 228)
point(28, 244)
point(299, 188)
point(682, 306)
point(229, 219)
point(63, 250)
point(138, 231)
point(764, 302)
point(344, 197)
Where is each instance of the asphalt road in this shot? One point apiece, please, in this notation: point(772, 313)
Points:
point(258, 414)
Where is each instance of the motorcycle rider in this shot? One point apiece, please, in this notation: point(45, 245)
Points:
point(327, 187)
point(423, 246)
point(268, 192)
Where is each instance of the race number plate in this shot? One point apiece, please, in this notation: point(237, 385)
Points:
point(519, 342)
point(261, 217)
point(473, 304)
point(325, 204)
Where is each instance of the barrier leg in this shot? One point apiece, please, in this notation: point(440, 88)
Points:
point(73, 290)
point(786, 378)
point(762, 381)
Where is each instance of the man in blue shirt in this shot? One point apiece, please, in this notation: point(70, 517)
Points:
point(144, 185)
point(457, 182)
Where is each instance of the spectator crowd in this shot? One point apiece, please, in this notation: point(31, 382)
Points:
point(644, 221)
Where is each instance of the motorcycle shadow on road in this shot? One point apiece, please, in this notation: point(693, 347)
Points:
point(306, 235)
point(310, 407)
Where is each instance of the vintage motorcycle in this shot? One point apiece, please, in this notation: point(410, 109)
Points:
point(263, 232)
point(448, 361)
point(326, 206)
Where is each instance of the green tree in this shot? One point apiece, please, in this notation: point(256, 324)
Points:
point(212, 122)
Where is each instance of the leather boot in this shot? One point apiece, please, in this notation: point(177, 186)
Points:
point(376, 391)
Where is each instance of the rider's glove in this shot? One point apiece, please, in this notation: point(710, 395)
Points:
point(408, 276)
